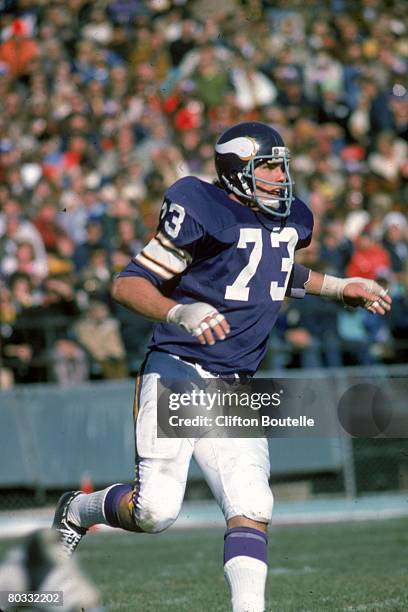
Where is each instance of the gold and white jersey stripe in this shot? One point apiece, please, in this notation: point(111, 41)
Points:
point(162, 257)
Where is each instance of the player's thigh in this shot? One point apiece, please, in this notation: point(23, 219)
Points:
point(237, 471)
point(157, 366)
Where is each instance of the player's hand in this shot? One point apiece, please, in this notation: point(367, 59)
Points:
point(200, 319)
point(368, 294)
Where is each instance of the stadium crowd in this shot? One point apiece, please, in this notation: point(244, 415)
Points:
point(105, 103)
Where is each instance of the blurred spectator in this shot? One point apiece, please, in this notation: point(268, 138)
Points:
point(369, 258)
point(21, 246)
point(184, 43)
point(39, 321)
point(47, 223)
point(150, 49)
point(94, 240)
point(323, 73)
point(252, 88)
point(98, 27)
point(98, 332)
point(70, 363)
point(291, 95)
point(308, 323)
point(335, 250)
point(60, 260)
point(387, 159)
point(19, 50)
point(95, 276)
point(25, 261)
point(126, 240)
point(355, 338)
point(210, 78)
point(398, 105)
point(395, 241)
point(17, 346)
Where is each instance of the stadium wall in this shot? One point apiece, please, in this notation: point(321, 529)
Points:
point(51, 436)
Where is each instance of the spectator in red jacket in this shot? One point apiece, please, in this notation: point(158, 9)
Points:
point(369, 257)
point(19, 50)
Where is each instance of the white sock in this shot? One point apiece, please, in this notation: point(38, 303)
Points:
point(87, 509)
point(246, 578)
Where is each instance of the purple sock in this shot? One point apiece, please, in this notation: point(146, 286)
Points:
point(245, 541)
point(112, 501)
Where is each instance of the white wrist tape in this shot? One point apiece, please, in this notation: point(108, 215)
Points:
point(333, 287)
point(191, 317)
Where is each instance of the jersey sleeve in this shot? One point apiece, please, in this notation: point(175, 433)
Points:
point(179, 225)
point(296, 285)
point(306, 227)
point(172, 248)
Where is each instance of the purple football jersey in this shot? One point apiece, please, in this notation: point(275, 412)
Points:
point(240, 261)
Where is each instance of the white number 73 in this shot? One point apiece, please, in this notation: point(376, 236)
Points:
point(239, 289)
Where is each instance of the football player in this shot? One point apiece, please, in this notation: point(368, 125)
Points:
point(214, 278)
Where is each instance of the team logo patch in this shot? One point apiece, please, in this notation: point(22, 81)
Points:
point(244, 146)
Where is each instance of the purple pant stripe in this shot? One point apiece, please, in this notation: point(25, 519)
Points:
point(247, 542)
point(112, 501)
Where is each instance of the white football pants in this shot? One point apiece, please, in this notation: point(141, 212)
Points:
point(236, 469)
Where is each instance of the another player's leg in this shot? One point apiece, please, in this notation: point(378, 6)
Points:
point(37, 564)
point(237, 471)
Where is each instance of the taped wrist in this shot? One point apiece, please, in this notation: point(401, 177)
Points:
point(171, 316)
point(333, 287)
point(191, 316)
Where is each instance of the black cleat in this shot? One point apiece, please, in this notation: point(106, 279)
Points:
point(70, 534)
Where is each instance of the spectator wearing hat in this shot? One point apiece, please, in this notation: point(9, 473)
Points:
point(395, 241)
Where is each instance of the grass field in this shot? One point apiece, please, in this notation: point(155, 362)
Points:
point(352, 566)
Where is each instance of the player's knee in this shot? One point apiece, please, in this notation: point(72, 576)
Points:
point(159, 508)
point(154, 518)
point(259, 506)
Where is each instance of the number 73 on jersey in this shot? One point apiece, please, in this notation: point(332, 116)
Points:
point(239, 289)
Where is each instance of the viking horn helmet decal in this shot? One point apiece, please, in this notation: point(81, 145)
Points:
point(244, 146)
